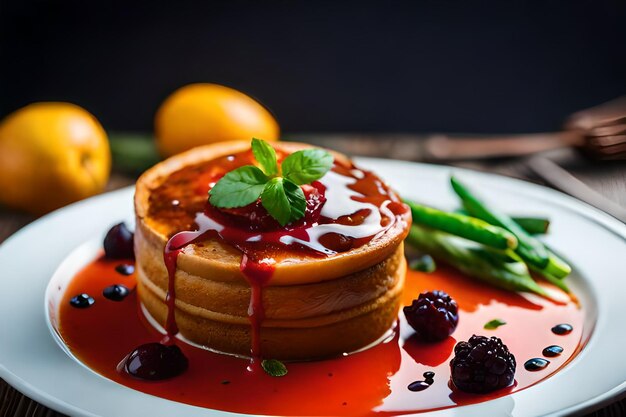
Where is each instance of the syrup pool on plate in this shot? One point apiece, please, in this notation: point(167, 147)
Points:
point(375, 380)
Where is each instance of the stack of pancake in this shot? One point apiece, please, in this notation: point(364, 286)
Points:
point(315, 306)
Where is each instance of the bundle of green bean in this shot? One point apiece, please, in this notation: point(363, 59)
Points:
point(505, 247)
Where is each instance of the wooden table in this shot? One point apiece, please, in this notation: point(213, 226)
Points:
point(609, 178)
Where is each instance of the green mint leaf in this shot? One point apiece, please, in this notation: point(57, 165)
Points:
point(265, 156)
point(283, 200)
point(273, 367)
point(238, 188)
point(494, 324)
point(306, 166)
point(282, 197)
point(296, 198)
point(275, 201)
point(423, 264)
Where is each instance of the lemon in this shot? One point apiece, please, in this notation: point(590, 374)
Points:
point(199, 114)
point(51, 154)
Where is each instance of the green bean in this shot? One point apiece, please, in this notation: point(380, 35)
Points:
point(530, 249)
point(532, 225)
point(464, 226)
point(558, 282)
point(557, 267)
point(501, 269)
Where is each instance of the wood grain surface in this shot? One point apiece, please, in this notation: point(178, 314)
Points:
point(606, 177)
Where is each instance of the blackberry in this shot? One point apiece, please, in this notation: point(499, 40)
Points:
point(482, 365)
point(434, 315)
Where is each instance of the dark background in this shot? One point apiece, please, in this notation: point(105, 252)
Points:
point(338, 66)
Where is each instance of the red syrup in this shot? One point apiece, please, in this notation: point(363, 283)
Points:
point(170, 256)
point(258, 275)
point(373, 381)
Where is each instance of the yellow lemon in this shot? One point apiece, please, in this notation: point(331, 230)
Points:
point(199, 114)
point(51, 154)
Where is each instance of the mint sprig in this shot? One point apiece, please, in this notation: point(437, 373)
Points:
point(277, 187)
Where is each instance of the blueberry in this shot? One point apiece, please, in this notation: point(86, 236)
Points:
point(429, 374)
point(562, 329)
point(82, 301)
point(552, 351)
point(536, 364)
point(418, 386)
point(116, 292)
point(125, 269)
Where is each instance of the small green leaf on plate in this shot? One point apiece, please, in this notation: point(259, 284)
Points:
point(494, 324)
point(273, 367)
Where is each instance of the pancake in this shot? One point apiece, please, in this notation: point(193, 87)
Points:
point(336, 290)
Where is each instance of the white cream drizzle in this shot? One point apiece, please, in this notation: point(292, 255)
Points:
point(340, 201)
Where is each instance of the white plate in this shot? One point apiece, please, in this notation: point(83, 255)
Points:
point(31, 361)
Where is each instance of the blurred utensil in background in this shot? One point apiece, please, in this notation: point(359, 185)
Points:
point(442, 147)
point(599, 131)
point(558, 177)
